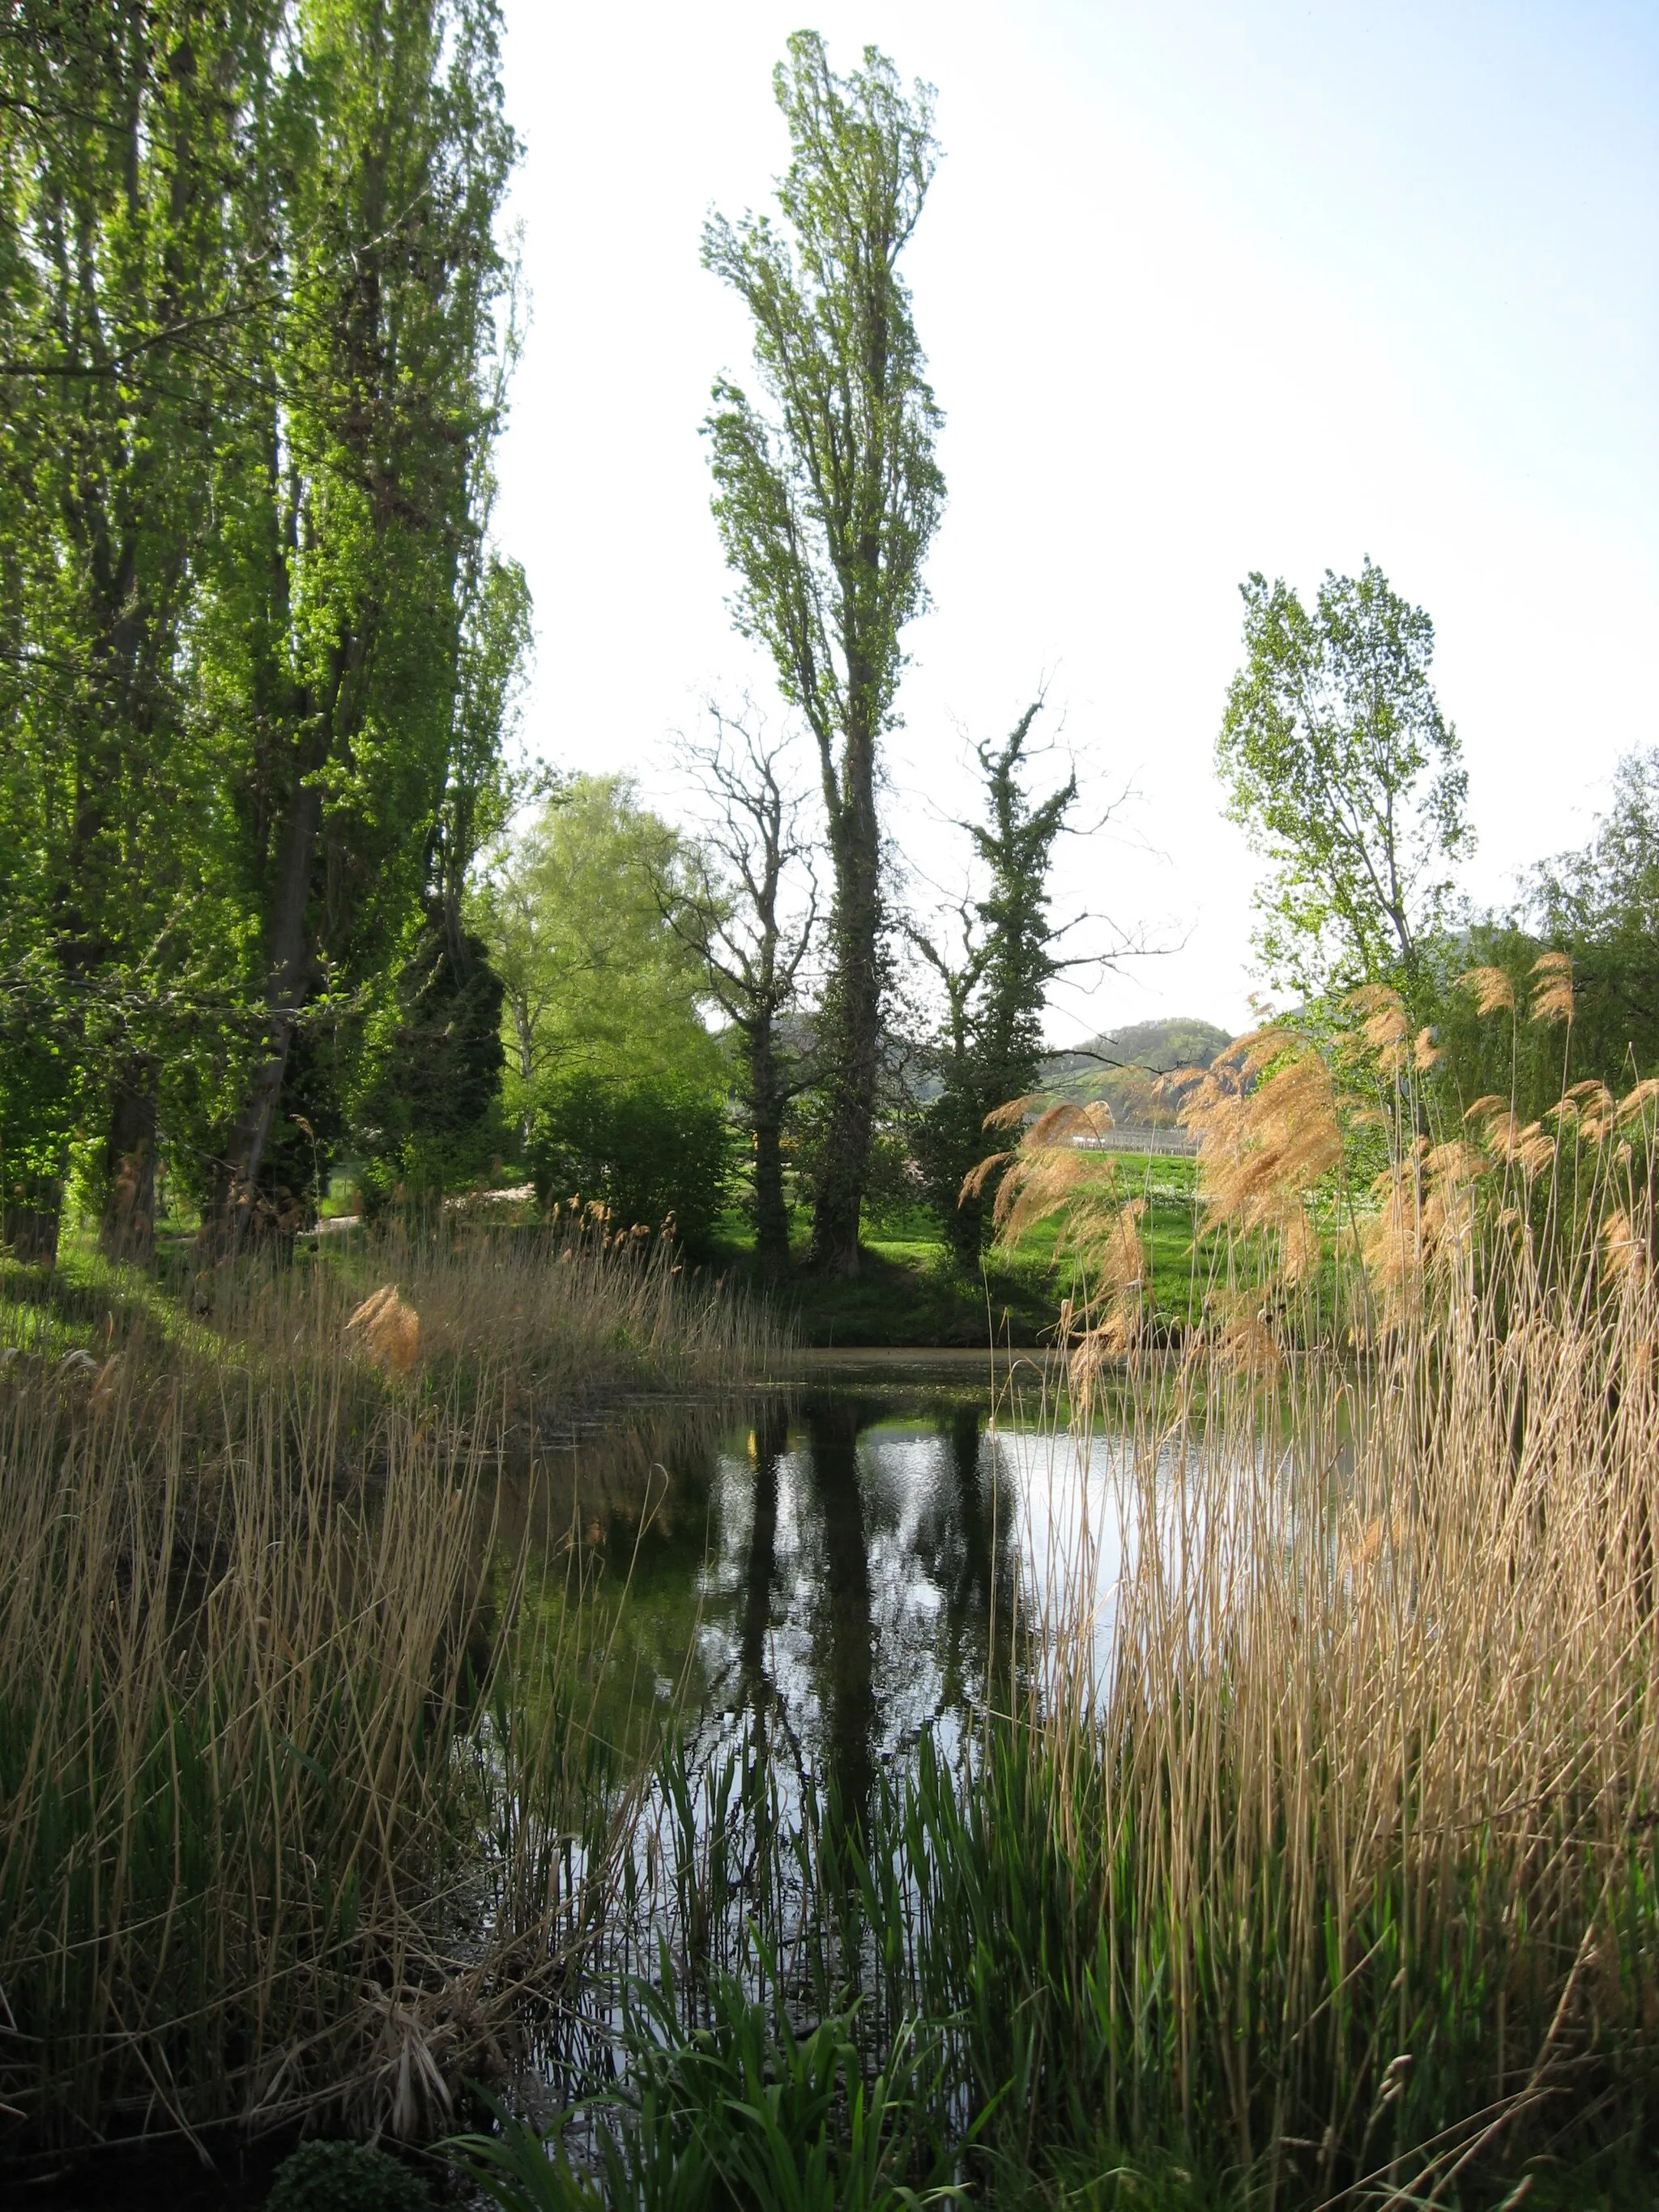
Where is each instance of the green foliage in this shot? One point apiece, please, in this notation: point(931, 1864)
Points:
point(577, 915)
point(130, 278)
point(826, 500)
point(345, 2177)
point(650, 1148)
point(1502, 1054)
point(1340, 767)
point(746, 2112)
point(258, 656)
point(1602, 905)
point(826, 511)
point(424, 1114)
point(991, 1051)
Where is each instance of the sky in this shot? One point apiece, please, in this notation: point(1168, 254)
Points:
point(1206, 286)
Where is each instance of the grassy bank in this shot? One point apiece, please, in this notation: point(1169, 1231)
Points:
point(559, 1314)
point(911, 1291)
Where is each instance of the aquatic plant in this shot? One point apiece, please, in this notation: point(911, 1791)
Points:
point(747, 2110)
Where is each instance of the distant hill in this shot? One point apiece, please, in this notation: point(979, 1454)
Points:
point(1123, 1067)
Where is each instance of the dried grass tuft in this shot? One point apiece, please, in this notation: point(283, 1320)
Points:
point(1551, 995)
point(388, 1329)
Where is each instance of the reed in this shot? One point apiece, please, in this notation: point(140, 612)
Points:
point(558, 1313)
point(304, 1807)
point(1313, 1856)
point(1346, 1856)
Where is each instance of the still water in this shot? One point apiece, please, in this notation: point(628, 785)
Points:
point(840, 1552)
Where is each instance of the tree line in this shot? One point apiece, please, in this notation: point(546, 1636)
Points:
point(271, 899)
point(259, 656)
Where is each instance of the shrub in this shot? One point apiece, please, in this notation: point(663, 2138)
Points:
point(345, 2177)
point(646, 1149)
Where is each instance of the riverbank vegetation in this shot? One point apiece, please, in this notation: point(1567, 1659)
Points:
point(305, 1812)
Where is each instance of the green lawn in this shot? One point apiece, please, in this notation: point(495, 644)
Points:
point(910, 1291)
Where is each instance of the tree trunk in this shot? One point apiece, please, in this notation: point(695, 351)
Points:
point(854, 1027)
point(127, 1230)
point(766, 1121)
point(30, 1222)
point(236, 1178)
point(771, 1214)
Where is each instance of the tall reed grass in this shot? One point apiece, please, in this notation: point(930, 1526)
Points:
point(1363, 1810)
point(303, 1810)
point(556, 1314)
point(1312, 1857)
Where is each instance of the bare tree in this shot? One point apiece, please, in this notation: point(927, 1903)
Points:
point(753, 949)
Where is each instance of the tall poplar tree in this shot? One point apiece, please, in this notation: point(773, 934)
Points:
point(344, 626)
point(126, 278)
point(255, 653)
point(827, 501)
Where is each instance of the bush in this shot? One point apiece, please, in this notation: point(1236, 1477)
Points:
point(425, 1111)
point(345, 2177)
point(648, 1149)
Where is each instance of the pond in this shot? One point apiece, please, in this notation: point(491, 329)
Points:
point(838, 1554)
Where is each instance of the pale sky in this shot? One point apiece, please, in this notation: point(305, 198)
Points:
point(1206, 286)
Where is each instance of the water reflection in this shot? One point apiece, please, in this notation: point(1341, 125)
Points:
point(841, 1618)
point(830, 1563)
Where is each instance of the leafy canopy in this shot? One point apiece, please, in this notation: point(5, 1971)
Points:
point(1342, 770)
point(827, 503)
point(597, 978)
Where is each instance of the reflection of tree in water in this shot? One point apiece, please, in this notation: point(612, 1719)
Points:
point(866, 1571)
point(616, 1515)
point(844, 1650)
point(958, 1544)
point(768, 1440)
point(769, 1446)
point(974, 1571)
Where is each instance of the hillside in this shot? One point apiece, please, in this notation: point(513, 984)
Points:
point(1123, 1066)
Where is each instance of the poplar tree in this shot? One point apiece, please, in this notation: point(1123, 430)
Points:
point(341, 625)
point(827, 499)
point(1342, 771)
point(254, 651)
point(126, 277)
